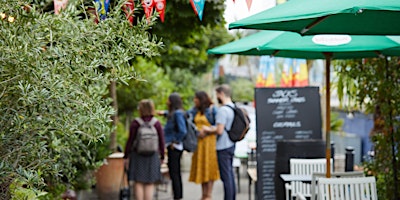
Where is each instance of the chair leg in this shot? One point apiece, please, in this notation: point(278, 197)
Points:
point(238, 178)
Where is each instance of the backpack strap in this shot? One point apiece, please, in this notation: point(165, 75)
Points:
point(234, 113)
point(139, 120)
point(153, 121)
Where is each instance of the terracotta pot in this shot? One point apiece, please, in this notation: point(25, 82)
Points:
point(109, 176)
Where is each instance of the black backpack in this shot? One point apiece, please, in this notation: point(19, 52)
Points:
point(190, 139)
point(240, 124)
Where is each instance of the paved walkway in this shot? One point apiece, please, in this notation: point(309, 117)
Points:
point(191, 190)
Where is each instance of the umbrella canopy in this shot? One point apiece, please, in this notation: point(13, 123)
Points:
point(293, 45)
point(328, 47)
point(310, 17)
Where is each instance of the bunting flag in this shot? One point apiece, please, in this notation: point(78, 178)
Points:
point(128, 8)
point(92, 12)
point(198, 7)
point(102, 8)
point(248, 2)
point(300, 73)
point(287, 73)
point(58, 5)
point(266, 71)
point(160, 8)
point(148, 6)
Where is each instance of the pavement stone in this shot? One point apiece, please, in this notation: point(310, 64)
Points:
point(191, 191)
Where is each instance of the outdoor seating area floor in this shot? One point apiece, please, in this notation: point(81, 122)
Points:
point(191, 190)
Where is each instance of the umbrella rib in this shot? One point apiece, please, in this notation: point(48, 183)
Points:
point(274, 53)
point(380, 55)
point(316, 22)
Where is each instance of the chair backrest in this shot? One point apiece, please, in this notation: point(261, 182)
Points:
point(356, 188)
point(317, 175)
point(305, 167)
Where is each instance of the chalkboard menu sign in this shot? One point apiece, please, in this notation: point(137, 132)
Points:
point(283, 114)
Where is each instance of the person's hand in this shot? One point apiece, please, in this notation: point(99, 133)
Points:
point(126, 163)
point(202, 133)
point(207, 129)
point(160, 112)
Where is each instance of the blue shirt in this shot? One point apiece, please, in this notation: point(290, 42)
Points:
point(224, 116)
point(175, 129)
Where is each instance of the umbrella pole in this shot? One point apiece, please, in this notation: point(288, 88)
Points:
point(328, 57)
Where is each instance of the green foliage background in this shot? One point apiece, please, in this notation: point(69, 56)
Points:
point(372, 85)
point(53, 95)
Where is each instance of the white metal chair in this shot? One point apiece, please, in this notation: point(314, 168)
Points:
point(317, 175)
point(356, 188)
point(300, 196)
point(303, 167)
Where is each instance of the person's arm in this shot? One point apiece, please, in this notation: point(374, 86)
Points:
point(220, 121)
point(132, 135)
point(181, 123)
point(163, 113)
point(218, 129)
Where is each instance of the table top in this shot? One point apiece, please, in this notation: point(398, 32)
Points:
point(295, 177)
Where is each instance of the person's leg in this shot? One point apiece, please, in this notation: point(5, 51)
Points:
point(148, 191)
point(174, 166)
point(139, 191)
point(225, 158)
point(203, 191)
point(208, 193)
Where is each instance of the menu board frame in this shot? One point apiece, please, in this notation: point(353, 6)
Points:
point(283, 114)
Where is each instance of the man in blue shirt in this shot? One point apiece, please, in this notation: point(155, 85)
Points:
point(225, 147)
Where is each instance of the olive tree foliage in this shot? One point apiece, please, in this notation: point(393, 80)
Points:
point(373, 84)
point(53, 94)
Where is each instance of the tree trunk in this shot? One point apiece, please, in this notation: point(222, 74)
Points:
point(128, 119)
point(113, 136)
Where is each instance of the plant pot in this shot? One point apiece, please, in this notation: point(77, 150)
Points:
point(109, 176)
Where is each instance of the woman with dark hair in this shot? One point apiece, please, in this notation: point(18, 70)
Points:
point(204, 168)
point(175, 131)
point(144, 170)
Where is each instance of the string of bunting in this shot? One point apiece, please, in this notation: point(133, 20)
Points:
point(148, 7)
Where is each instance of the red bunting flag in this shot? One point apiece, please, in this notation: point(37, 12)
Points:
point(58, 5)
point(160, 7)
point(148, 6)
point(248, 2)
point(128, 8)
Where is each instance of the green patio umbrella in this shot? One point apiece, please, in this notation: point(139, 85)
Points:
point(293, 45)
point(310, 17)
point(328, 47)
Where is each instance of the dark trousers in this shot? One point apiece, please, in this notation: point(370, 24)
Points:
point(225, 159)
point(174, 167)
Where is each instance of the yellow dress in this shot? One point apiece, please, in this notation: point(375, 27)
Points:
point(204, 165)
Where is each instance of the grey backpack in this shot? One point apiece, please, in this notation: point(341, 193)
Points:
point(146, 142)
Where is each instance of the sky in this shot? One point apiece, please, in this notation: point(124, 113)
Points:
point(238, 9)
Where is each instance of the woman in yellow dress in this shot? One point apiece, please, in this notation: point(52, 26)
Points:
point(204, 168)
